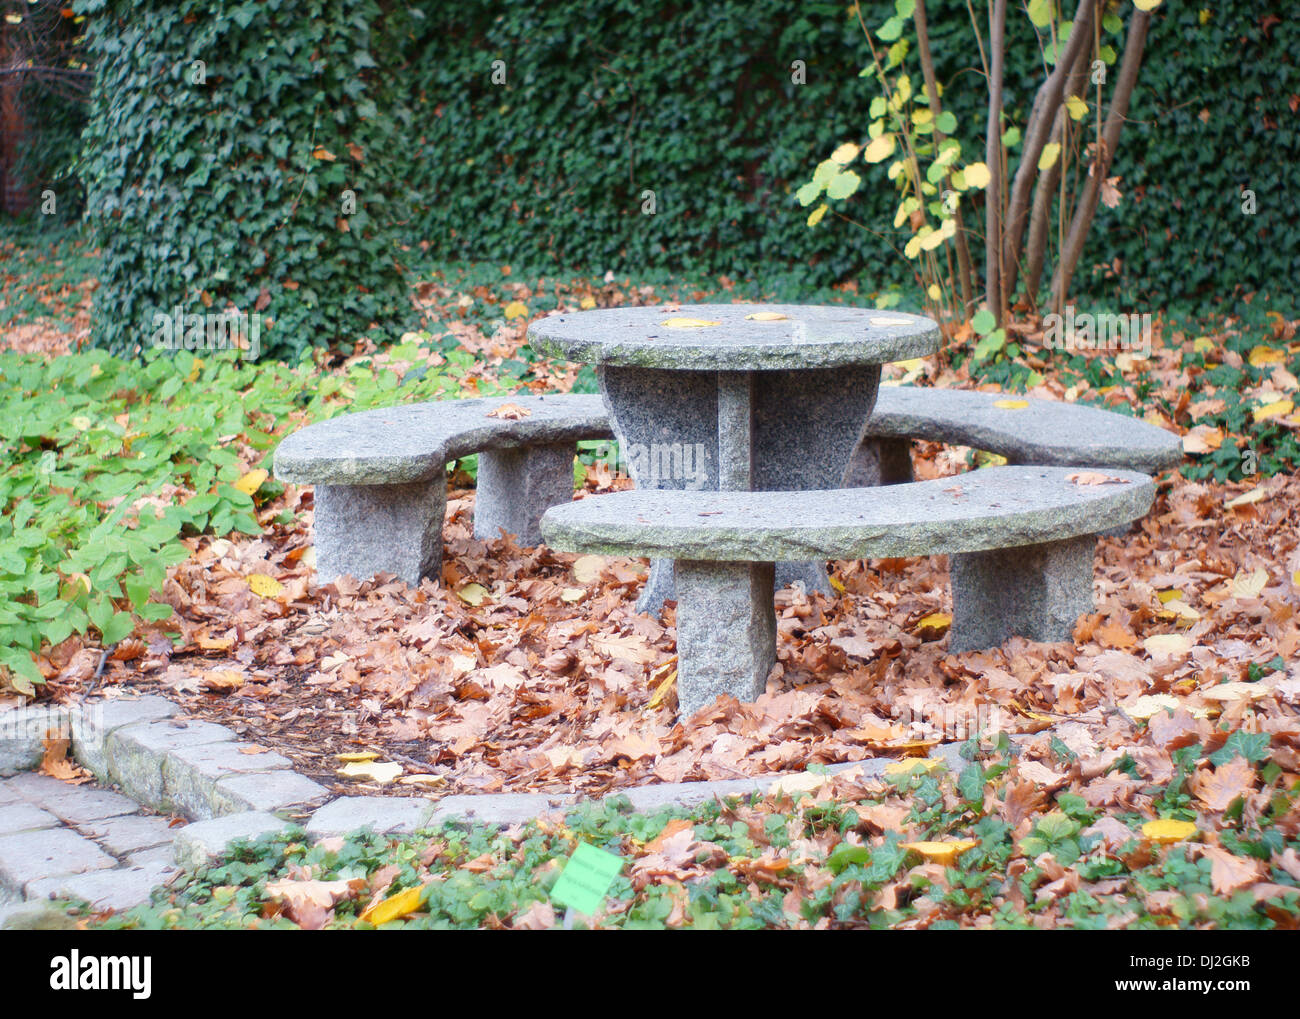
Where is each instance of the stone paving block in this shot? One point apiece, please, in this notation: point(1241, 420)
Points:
point(118, 889)
point(197, 844)
point(93, 721)
point(122, 835)
point(191, 774)
point(163, 854)
point(264, 791)
point(501, 809)
point(81, 805)
point(381, 814)
point(21, 732)
point(8, 794)
point(35, 916)
point(136, 753)
point(16, 817)
point(33, 855)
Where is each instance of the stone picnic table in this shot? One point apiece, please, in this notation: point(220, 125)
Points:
point(736, 397)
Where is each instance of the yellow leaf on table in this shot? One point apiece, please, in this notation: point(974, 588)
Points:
point(1262, 355)
point(941, 852)
point(587, 568)
point(371, 771)
point(264, 586)
point(767, 316)
point(1256, 494)
point(394, 907)
point(516, 309)
point(510, 412)
point(1166, 832)
point(587, 303)
point(473, 594)
point(846, 153)
point(689, 323)
point(889, 320)
point(1272, 410)
point(1011, 404)
point(1094, 478)
point(936, 624)
point(251, 481)
point(1166, 645)
point(1249, 585)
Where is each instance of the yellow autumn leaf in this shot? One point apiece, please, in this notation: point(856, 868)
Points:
point(1235, 692)
point(587, 568)
point(913, 247)
point(251, 481)
point(1179, 612)
point(1011, 404)
point(572, 594)
point(1246, 498)
point(1051, 152)
point(473, 594)
point(264, 586)
point(1272, 410)
point(1166, 645)
point(913, 764)
point(977, 175)
point(839, 587)
point(689, 323)
point(1147, 5)
point(1150, 705)
point(767, 316)
point(935, 292)
point(194, 371)
point(814, 218)
point(394, 907)
point(1202, 345)
point(1167, 832)
point(662, 691)
point(1249, 585)
point(587, 303)
point(941, 852)
point(1262, 355)
point(846, 153)
point(371, 771)
point(936, 623)
point(1076, 107)
point(321, 152)
point(516, 309)
point(1172, 594)
point(360, 757)
point(880, 149)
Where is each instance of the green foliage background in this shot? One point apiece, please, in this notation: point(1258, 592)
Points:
point(209, 195)
point(211, 192)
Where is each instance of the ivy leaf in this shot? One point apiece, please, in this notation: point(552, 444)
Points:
point(1253, 746)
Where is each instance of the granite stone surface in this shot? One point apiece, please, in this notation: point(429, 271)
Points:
point(516, 486)
point(810, 336)
point(415, 441)
point(363, 530)
point(726, 631)
point(996, 507)
point(1037, 592)
point(1045, 432)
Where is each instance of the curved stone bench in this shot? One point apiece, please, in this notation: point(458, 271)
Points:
point(1021, 539)
point(1046, 433)
point(380, 476)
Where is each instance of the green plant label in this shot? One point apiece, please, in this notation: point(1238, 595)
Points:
point(586, 878)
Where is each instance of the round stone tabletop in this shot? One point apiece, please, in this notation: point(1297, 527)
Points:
point(735, 337)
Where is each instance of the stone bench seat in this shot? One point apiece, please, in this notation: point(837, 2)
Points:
point(1044, 433)
point(380, 476)
point(1022, 541)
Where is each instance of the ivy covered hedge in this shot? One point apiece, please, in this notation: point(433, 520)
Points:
point(603, 100)
point(243, 156)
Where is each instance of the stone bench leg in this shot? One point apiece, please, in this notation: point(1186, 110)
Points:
point(726, 631)
point(879, 462)
point(1036, 591)
point(517, 485)
point(367, 529)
